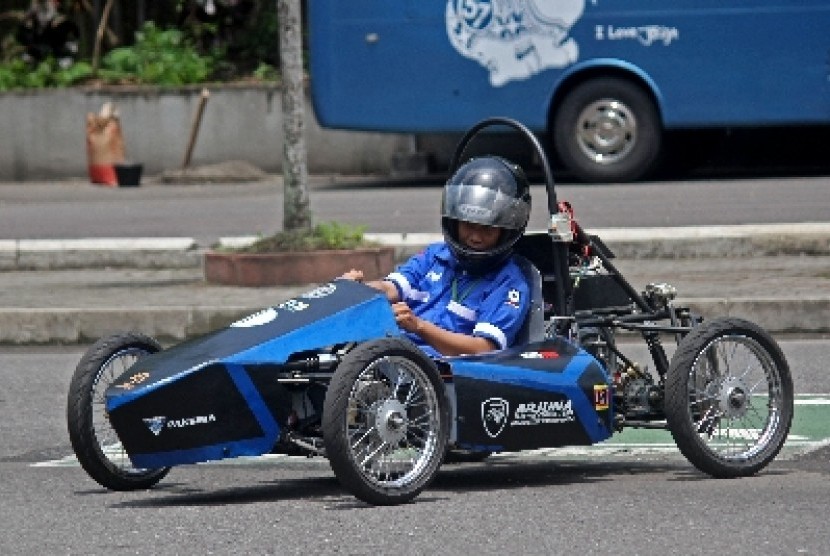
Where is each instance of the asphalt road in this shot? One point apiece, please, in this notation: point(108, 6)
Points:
point(207, 212)
point(624, 502)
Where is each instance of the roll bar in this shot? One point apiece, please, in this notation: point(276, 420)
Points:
point(560, 228)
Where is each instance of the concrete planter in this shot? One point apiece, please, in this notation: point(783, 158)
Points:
point(280, 269)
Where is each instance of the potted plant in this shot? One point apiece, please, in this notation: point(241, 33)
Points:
point(299, 257)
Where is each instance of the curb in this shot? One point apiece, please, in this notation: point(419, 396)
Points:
point(635, 243)
point(777, 316)
point(52, 254)
point(743, 240)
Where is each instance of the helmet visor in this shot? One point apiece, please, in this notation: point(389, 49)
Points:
point(484, 204)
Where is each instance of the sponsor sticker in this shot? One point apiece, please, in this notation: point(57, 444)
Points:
point(543, 413)
point(320, 291)
point(159, 423)
point(601, 397)
point(494, 413)
point(133, 381)
point(548, 354)
point(474, 212)
point(155, 424)
point(293, 305)
point(496, 416)
point(257, 319)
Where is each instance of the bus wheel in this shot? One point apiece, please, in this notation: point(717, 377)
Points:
point(607, 130)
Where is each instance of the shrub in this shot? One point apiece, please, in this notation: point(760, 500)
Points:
point(18, 74)
point(328, 235)
point(160, 57)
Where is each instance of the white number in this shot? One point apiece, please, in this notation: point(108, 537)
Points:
point(476, 12)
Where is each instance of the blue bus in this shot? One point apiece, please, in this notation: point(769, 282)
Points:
point(603, 80)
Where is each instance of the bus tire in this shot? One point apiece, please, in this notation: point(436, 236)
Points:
point(607, 130)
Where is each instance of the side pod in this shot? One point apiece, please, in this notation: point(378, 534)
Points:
point(543, 394)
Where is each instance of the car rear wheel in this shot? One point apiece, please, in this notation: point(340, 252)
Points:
point(729, 398)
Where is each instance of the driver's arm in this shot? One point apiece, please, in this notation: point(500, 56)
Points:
point(444, 341)
point(388, 288)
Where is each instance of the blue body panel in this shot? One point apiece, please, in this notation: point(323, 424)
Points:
point(548, 394)
point(196, 401)
point(253, 446)
point(439, 66)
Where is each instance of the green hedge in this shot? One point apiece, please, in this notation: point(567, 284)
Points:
point(165, 57)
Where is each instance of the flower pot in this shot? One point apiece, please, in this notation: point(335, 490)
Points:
point(128, 175)
point(295, 268)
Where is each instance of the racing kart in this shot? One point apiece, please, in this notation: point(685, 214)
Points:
point(329, 373)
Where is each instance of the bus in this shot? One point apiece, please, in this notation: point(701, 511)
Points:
point(602, 80)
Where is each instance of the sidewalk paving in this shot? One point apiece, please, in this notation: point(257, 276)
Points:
point(76, 291)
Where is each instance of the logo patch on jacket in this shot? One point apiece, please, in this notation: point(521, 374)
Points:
point(514, 298)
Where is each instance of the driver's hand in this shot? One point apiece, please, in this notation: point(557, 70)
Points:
point(405, 318)
point(353, 274)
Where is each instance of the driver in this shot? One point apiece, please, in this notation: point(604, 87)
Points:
point(466, 295)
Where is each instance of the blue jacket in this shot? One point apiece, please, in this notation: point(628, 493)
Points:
point(492, 305)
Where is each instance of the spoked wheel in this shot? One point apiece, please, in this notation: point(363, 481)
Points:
point(93, 439)
point(729, 398)
point(385, 421)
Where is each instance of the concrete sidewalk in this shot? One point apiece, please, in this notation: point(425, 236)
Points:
point(76, 291)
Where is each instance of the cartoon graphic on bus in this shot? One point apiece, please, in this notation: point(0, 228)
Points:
point(514, 39)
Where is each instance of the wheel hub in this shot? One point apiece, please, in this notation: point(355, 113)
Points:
point(734, 398)
point(608, 131)
point(391, 421)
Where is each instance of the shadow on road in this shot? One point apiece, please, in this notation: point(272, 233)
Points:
point(494, 474)
point(190, 494)
point(508, 473)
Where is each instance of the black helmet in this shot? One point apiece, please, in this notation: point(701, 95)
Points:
point(491, 191)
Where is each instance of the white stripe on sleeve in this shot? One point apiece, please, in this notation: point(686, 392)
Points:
point(492, 332)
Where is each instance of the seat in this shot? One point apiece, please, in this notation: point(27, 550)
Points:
point(533, 328)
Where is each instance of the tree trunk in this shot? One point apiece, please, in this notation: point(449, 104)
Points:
point(296, 212)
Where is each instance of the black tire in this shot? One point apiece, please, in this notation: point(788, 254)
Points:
point(607, 130)
point(386, 421)
point(729, 398)
point(93, 439)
